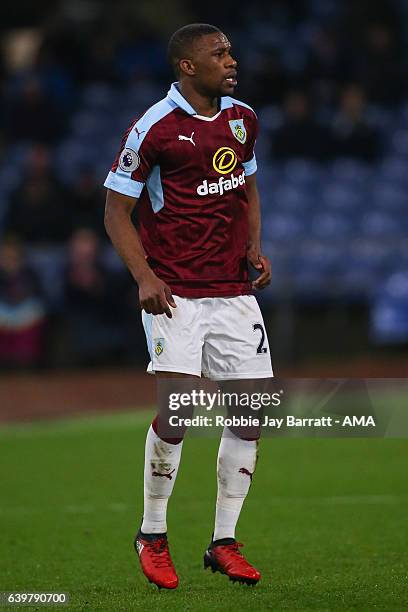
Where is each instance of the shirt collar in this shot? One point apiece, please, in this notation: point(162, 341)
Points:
point(175, 95)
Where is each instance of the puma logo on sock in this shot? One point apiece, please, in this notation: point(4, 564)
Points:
point(169, 476)
point(247, 472)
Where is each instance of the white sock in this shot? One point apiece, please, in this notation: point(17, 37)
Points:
point(235, 466)
point(161, 466)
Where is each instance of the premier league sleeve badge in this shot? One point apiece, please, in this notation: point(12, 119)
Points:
point(129, 160)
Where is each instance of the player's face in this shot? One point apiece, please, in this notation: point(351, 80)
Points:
point(215, 68)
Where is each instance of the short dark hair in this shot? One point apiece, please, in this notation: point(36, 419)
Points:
point(181, 42)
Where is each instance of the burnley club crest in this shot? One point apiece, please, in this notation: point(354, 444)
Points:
point(238, 129)
point(158, 346)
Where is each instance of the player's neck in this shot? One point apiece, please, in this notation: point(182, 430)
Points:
point(203, 105)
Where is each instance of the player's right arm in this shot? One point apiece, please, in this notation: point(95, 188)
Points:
point(154, 295)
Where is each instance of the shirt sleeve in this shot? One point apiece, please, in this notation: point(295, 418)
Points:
point(134, 162)
point(249, 164)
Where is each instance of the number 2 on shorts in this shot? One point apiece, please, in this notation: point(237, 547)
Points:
point(261, 348)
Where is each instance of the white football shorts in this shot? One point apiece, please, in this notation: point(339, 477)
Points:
point(220, 338)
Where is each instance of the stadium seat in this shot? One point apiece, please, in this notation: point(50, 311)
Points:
point(283, 227)
point(389, 310)
point(270, 117)
point(382, 225)
point(302, 172)
point(69, 156)
point(313, 268)
point(291, 198)
point(358, 282)
point(387, 196)
point(403, 115)
point(399, 142)
point(342, 197)
point(393, 169)
point(363, 264)
point(99, 96)
point(370, 253)
point(88, 124)
point(280, 257)
point(381, 118)
point(267, 179)
point(350, 171)
point(332, 226)
point(10, 177)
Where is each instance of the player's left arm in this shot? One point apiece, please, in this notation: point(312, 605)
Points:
point(255, 257)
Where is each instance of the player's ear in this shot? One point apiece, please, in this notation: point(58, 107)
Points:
point(187, 67)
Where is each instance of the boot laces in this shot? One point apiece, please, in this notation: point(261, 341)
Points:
point(159, 553)
point(232, 549)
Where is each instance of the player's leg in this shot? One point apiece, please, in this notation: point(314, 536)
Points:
point(236, 462)
point(163, 453)
point(169, 343)
point(162, 460)
point(237, 456)
point(238, 351)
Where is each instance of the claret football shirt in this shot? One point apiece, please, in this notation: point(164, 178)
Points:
point(188, 173)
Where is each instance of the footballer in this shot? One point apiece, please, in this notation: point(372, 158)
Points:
point(188, 169)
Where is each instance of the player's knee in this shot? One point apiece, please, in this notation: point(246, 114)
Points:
point(232, 493)
point(171, 435)
point(151, 495)
point(249, 434)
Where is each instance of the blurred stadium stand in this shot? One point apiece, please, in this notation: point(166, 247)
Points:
point(328, 79)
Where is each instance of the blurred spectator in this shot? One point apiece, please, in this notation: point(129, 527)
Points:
point(32, 116)
point(329, 64)
point(141, 55)
point(352, 134)
point(86, 202)
point(57, 82)
point(379, 65)
point(300, 135)
point(95, 320)
point(22, 309)
point(268, 81)
point(65, 46)
point(38, 211)
point(101, 64)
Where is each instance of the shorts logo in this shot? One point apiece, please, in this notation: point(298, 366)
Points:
point(224, 160)
point(129, 160)
point(238, 130)
point(158, 346)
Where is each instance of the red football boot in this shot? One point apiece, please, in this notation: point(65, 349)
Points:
point(223, 556)
point(154, 557)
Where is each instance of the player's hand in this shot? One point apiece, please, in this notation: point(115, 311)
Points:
point(155, 296)
point(262, 265)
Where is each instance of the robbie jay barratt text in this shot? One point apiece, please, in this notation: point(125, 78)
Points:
point(289, 421)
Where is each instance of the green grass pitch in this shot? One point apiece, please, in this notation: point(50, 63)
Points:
point(325, 521)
